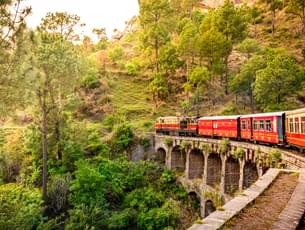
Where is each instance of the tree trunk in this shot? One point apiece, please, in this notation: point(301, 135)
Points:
point(273, 23)
point(44, 142)
point(251, 101)
point(157, 54)
point(226, 74)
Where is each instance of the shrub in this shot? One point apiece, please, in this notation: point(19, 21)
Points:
point(72, 152)
point(88, 186)
point(90, 81)
point(123, 137)
point(239, 153)
point(95, 146)
point(116, 54)
point(131, 68)
point(168, 141)
point(224, 146)
point(20, 207)
point(145, 142)
point(160, 218)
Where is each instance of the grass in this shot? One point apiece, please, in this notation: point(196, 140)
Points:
point(130, 96)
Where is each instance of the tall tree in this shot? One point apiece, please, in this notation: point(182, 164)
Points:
point(64, 28)
point(274, 5)
point(232, 22)
point(155, 19)
point(280, 79)
point(297, 8)
point(52, 69)
point(12, 17)
point(63, 23)
point(244, 82)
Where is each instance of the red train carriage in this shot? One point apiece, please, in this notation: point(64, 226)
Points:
point(264, 127)
point(181, 126)
point(295, 127)
point(219, 126)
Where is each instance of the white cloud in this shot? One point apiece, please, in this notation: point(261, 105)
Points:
point(110, 14)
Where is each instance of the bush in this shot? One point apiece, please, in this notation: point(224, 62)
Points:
point(20, 207)
point(160, 218)
point(131, 69)
point(116, 54)
point(72, 152)
point(95, 146)
point(91, 80)
point(123, 137)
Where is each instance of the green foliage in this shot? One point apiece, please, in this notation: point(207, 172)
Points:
point(95, 146)
point(145, 142)
point(274, 158)
point(230, 110)
point(12, 157)
point(123, 138)
point(61, 23)
point(205, 147)
point(159, 86)
point(169, 58)
point(238, 153)
point(131, 68)
point(116, 54)
point(224, 146)
point(71, 152)
point(168, 141)
point(215, 197)
point(199, 77)
point(20, 207)
point(158, 218)
point(249, 46)
point(87, 217)
point(91, 80)
point(279, 80)
point(185, 145)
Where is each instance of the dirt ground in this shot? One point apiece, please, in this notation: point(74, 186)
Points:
point(267, 207)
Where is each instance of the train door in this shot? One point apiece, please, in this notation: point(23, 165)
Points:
point(280, 128)
point(251, 128)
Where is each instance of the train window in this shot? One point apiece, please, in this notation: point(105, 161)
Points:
point(249, 125)
point(297, 125)
point(261, 125)
point(243, 125)
point(303, 125)
point(268, 125)
point(291, 129)
point(255, 125)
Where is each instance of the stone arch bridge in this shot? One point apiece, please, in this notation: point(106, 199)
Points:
point(213, 167)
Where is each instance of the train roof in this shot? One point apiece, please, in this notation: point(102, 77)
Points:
point(232, 117)
point(296, 111)
point(263, 115)
point(176, 117)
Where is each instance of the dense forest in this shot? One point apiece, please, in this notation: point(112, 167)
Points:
point(73, 111)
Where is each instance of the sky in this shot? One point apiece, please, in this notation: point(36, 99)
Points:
point(110, 14)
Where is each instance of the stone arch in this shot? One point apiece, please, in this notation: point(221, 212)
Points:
point(209, 208)
point(232, 175)
point(160, 155)
point(214, 169)
point(195, 200)
point(196, 164)
point(250, 174)
point(178, 159)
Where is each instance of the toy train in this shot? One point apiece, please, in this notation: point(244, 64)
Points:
point(281, 128)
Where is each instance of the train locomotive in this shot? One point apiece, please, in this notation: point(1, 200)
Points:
point(280, 128)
